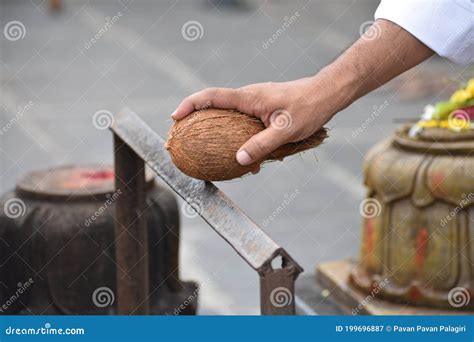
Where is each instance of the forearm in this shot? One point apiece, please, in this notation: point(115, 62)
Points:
point(369, 63)
point(305, 105)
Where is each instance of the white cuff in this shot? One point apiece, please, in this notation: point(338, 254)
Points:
point(445, 26)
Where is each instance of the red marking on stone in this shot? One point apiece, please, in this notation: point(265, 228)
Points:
point(98, 175)
point(437, 179)
point(437, 182)
point(421, 246)
point(369, 240)
point(88, 179)
point(414, 293)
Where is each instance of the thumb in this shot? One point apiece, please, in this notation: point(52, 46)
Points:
point(260, 146)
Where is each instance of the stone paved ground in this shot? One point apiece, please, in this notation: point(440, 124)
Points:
point(143, 61)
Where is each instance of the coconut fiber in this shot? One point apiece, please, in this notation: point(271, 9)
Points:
point(203, 145)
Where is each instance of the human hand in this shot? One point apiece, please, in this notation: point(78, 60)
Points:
point(291, 111)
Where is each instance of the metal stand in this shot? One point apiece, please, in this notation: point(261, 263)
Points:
point(130, 232)
point(240, 232)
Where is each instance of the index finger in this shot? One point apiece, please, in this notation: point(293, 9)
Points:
point(224, 98)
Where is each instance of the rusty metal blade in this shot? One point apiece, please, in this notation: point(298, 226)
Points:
point(248, 240)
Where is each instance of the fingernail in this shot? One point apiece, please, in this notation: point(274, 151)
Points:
point(243, 158)
point(174, 113)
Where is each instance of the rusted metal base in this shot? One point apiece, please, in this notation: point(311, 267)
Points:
point(333, 276)
point(163, 301)
point(64, 242)
point(131, 251)
point(277, 288)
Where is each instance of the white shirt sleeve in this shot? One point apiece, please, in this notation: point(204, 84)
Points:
point(445, 26)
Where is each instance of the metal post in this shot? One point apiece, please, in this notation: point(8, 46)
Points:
point(131, 244)
point(277, 289)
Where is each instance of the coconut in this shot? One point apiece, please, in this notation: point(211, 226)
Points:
point(203, 145)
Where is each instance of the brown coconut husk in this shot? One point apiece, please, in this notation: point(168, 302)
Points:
point(203, 145)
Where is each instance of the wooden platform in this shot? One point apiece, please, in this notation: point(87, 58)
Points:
point(333, 276)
